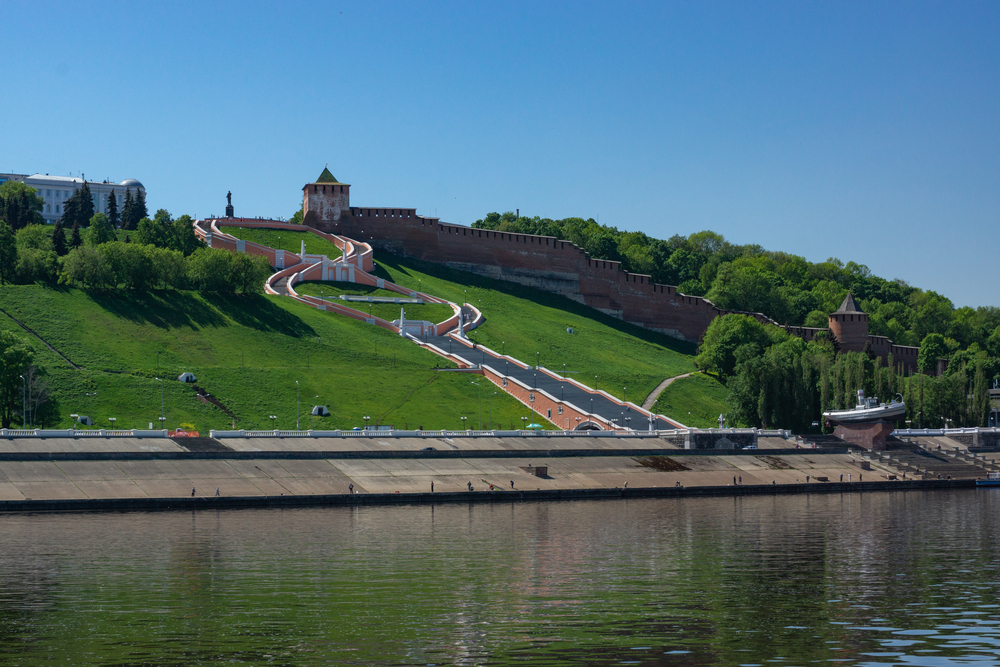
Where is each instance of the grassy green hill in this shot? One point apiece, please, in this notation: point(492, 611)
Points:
point(530, 324)
point(286, 239)
point(697, 401)
point(431, 312)
point(247, 352)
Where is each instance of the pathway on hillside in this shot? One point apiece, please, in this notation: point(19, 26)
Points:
point(655, 394)
point(614, 412)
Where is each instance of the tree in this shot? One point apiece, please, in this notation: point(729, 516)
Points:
point(71, 211)
point(297, 218)
point(8, 253)
point(727, 334)
point(33, 237)
point(87, 266)
point(59, 239)
point(208, 270)
point(100, 230)
point(129, 221)
point(113, 217)
point(932, 348)
point(86, 208)
point(154, 232)
point(16, 357)
point(183, 237)
point(20, 205)
point(247, 273)
point(36, 266)
point(74, 238)
point(140, 205)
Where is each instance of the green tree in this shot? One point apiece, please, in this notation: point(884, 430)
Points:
point(86, 209)
point(208, 269)
point(297, 218)
point(100, 230)
point(8, 253)
point(183, 237)
point(16, 355)
point(20, 205)
point(59, 239)
point(727, 334)
point(129, 221)
point(36, 266)
point(86, 266)
point(75, 241)
point(33, 237)
point(157, 232)
point(113, 216)
point(932, 348)
point(247, 273)
point(140, 205)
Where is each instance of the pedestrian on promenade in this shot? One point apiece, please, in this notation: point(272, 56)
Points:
point(512, 484)
point(734, 480)
point(807, 479)
point(192, 492)
point(216, 492)
point(432, 486)
point(626, 485)
point(848, 477)
point(351, 488)
point(468, 485)
point(860, 477)
point(841, 477)
point(741, 480)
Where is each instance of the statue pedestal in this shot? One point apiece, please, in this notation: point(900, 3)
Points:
point(870, 435)
point(229, 211)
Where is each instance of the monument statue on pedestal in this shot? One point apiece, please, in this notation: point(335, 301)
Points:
point(229, 205)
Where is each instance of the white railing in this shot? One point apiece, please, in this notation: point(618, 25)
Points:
point(81, 433)
point(945, 431)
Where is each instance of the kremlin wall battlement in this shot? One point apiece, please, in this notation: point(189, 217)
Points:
point(557, 266)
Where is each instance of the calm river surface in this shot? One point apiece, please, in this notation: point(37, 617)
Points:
point(884, 578)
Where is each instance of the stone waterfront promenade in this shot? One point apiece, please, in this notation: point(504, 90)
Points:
point(77, 473)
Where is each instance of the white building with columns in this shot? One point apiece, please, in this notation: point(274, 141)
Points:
point(55, 190)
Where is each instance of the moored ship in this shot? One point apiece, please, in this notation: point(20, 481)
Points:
point(868, 409)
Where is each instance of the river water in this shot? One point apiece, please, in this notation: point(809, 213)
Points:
point(883, 578)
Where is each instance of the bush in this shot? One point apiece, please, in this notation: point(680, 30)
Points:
point(86, 266)
point(33, 237)
point(36, 266)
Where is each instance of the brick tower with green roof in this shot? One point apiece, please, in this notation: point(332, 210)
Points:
point(325, 201)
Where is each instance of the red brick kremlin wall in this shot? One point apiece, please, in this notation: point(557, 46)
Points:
point(546, 263)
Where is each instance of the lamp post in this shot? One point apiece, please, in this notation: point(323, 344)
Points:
point(112, 420)
point(480, 404)
point(489, 400)
point(273, 418)
point(161, 399)
point(91, 415)
point(24, 402)
point(463, 422)
point(503, 348)
point(367, 419)
point(204, 429)
point(297, 410)
point(524, 424)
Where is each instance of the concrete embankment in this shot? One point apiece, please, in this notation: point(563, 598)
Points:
point(508, 496)
point(149, 473)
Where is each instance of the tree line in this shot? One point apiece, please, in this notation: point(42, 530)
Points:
point(24, 389)
point(165, 253)
point(785, 287)
point(777, 380)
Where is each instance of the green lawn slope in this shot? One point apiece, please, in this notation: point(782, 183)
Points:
point(430, 312)
point(696, 401)
point(531, 325)
point(286, 239)
point(247, 352)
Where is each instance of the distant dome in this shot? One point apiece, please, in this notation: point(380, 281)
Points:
point(132, 183)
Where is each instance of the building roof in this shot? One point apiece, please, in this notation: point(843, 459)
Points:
point(327, 177)
point(849, 306)
point(57, 179)
point(132, 183)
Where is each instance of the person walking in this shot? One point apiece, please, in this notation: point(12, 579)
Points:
point(351, 488)
point(848, 477)
point(216, 492)
point(432, 486)
point(192, 492)
point(741, 480)
point(512, 484)
point(841, 477)
point(734, 480)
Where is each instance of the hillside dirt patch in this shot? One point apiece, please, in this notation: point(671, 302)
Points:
point(774, 462)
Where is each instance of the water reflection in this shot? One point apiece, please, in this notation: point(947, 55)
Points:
point(903, 578)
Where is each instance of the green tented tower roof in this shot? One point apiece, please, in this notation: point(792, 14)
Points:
point(327, 177)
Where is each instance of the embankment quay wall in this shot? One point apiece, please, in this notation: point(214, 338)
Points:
point(353, 500)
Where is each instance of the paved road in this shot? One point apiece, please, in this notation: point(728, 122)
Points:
point(561, 389)
point(655, 394)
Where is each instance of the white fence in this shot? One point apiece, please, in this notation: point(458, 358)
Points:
point(74, 433)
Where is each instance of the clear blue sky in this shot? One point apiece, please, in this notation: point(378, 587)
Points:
point(867, 131)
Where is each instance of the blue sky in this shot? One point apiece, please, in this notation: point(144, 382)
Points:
point(866, 131)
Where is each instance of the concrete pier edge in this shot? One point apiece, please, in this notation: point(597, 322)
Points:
point(348, 500)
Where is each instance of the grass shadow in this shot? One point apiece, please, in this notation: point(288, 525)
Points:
point(165, 309)
point(258, 312)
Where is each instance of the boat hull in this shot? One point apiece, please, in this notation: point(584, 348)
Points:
point(890, 412)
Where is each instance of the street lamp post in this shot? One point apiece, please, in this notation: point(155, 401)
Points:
point(463, 422)
point(297, 410)
point(24, 402)
point(161, 399)
point(489, 400)
point(480, 404)
point(524, 424)
point(112, 420)
point(367, 419)
point(272, 418)
point(91, 415)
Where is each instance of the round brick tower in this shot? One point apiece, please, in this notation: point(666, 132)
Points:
point(324, 201)
point(850, 325)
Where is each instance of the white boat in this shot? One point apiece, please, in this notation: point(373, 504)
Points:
point(868, 409)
